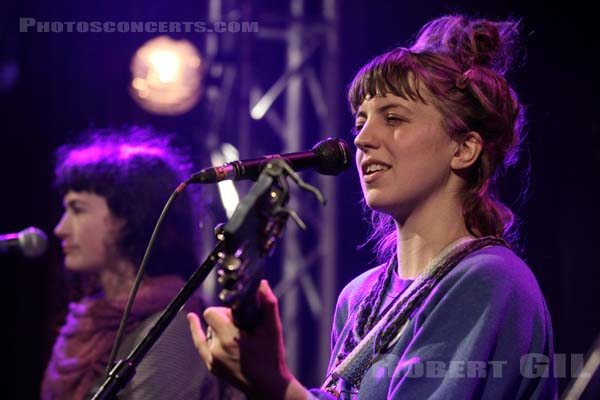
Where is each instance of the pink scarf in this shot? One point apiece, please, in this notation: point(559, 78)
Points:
point(82, 349)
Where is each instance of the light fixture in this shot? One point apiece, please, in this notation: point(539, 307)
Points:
point(166, 76)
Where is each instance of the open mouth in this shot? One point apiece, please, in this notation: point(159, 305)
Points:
point(374, 168)
point(371, 166)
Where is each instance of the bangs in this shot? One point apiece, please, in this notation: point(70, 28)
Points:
point(86, 177)
point(395, 72)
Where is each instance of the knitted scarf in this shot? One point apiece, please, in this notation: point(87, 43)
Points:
point(84, 343)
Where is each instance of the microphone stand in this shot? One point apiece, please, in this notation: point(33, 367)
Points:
point(124, 369)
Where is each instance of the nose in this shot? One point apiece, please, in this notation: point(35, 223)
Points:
point(366, 138)
point(61, 229)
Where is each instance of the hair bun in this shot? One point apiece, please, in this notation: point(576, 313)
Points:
point(471, 42)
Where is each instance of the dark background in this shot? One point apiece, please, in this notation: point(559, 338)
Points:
point(69, 82)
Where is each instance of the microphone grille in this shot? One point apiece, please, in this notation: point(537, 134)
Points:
point(334, 156)
point(32, 242)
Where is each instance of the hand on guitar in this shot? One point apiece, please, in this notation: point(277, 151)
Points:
point(253, 361)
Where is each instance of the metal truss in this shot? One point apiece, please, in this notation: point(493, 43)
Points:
point(307, 47)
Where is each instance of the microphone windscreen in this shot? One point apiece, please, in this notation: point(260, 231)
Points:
point(334, 156)
point(32, 242)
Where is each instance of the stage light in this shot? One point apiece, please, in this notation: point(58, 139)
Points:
point(166, 76)
point(227, 191)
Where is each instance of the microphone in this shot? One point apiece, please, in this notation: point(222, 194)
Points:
point(329, 157)
point(31, 242)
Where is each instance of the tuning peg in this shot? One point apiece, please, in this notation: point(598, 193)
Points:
point(227, 280)
point(230, 263)
point(270, 244)
point(228, 297)
point(220, 231)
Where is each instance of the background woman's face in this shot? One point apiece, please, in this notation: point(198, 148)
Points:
point(403, 153)
point(88, 231)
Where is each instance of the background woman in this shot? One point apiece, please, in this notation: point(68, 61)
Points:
point(114, 185)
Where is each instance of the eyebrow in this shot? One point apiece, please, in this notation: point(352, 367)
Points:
point(384, 108)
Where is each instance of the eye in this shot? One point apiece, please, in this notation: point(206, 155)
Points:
point(75, 209)
point(357, 128)
point(394, 119)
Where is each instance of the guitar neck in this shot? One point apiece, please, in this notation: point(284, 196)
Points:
point(247, 312)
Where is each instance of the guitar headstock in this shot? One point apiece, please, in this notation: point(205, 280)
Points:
point(250, 237)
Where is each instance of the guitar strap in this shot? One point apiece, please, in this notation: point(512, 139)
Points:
point(352, 369)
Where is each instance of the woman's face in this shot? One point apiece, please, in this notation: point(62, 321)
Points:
point(88, 231)
point(403, 154)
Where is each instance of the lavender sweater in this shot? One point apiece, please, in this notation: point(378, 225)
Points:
point(484, 332)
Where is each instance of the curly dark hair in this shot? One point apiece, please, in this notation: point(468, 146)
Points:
point(136, 169)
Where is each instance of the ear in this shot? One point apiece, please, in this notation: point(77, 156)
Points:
point(467, 151)
point(116, 224)
point(119, 223)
